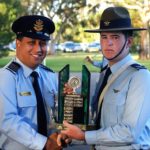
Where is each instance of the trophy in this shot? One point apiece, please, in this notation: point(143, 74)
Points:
point(74, 107)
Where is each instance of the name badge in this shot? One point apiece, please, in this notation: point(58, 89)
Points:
point(24, 93)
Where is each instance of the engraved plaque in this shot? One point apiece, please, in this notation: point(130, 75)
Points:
point(73, 108)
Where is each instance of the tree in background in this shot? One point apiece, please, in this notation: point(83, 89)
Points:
point(140, 12)
point(65, 12)
point(73, 17)
point(9, 11)
point(142, 9)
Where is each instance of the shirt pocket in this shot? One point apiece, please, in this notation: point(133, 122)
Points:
point(120, 99)
point(49, 96)
point(26, 99)
point(120, 105)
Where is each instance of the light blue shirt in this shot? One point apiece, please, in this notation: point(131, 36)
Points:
point(97, 64)
point(144, 138)
point(18, 123)
point(100, 64)
point(125, 110)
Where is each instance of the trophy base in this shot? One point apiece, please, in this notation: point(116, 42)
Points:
point(60, 126)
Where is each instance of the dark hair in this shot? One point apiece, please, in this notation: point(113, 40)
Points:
point(128, 33)
point(19, 38)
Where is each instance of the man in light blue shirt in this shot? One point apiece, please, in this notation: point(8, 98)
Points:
point(99, 64)
point(124, 97)
point(24, 118)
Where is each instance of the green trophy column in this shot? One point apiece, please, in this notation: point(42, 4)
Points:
point(63, 78)
point(85, 92)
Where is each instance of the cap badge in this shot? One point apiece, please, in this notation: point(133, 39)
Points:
point(38, 26)
point(106, 23)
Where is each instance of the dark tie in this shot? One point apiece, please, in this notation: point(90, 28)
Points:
point(94, 102)
point(41, 114)
point(108, 72)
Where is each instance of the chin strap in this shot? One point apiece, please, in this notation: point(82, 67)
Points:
point(120, 50)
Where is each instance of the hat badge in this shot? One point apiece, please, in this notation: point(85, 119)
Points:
point(106, 23)
point(38, 26)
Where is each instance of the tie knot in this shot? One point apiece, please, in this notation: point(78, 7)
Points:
point(108, 71)
point(34, 74)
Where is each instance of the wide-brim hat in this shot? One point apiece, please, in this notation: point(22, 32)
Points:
point(34, 26)
point(115, 19)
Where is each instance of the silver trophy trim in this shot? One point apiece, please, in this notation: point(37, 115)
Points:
point(74, 82)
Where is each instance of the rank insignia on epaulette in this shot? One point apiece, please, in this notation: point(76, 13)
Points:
point(46, 68)
point(13, 67)
point(24, 93)
point(138, 66)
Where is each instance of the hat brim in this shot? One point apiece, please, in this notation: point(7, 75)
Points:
point(114, 29)
point(35, 36)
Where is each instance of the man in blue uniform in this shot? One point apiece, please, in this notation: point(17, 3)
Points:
point(28, 89)
point(124, 97)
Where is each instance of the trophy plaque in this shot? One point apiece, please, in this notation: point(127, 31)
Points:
point(74, 107)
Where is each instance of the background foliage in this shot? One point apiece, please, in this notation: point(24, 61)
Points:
point(73, 17)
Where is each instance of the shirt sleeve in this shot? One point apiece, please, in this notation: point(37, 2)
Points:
point(136, 113)
point(144, 138)
point(97, 64)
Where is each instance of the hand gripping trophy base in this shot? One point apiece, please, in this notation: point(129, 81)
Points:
point(81, 126)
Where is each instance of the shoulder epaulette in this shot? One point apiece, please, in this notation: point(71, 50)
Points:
point(46, 68)
point(13, 67)
point(138, 66)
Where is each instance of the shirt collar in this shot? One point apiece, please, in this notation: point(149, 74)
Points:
point(114, 68)
point(26, 70)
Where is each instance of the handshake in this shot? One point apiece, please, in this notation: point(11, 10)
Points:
point(57, 141)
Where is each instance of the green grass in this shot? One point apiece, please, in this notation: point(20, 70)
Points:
point(146, 63)
point(4, 60)
point(76, 60)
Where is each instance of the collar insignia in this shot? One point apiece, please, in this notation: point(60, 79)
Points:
point(116, 91)
point(38, 26)
point(106, 23)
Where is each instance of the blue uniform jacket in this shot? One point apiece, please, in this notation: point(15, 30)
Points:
point(125, 110)
point(18, 116)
